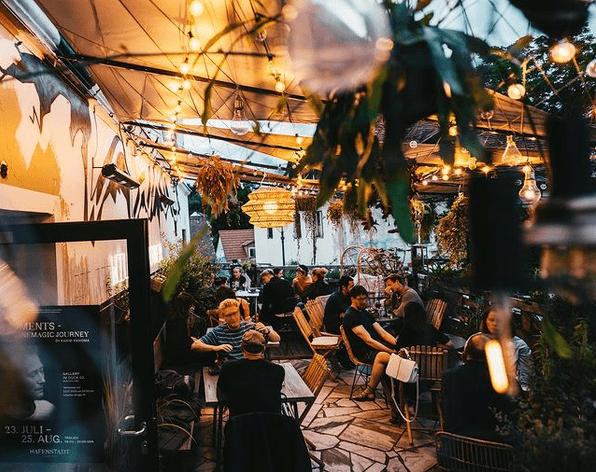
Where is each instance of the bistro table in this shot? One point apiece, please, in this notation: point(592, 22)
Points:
point(251, 296)
point(293, 391)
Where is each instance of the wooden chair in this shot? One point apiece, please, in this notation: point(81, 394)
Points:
point(362, 369)
point(464, 454)
point(318, 344)
point(435, 312)
point(432, 362)
point(316, 312)
point(314, 377)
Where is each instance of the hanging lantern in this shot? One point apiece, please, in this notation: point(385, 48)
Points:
point(270, 207)
point(240, 124)
point(529, 194)
point(337, 45)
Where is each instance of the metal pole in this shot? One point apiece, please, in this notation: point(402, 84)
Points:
point(283, 249)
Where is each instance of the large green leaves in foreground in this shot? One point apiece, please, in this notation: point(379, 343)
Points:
point(360, 133)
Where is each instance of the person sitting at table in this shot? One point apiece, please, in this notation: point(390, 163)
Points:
point(470, 403)
point(416, 331)
point(301, 281)
point(226, 338)
point(522, 352)
point(318, 287)
point(251, 384)
point(222, 293)
point(399, 295)
point(337, 304)
point(276, 297)
point(278, 272)
point(239, 281)
point(371, 344)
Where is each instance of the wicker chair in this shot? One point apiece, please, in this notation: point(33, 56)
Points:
point(464, 454)
point(362, 369)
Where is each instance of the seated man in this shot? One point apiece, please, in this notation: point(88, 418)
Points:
point(399, 295)
point(337, 304)
point(226, 337)
point(370, 343)
point(276, 297)
point(470, 403)
point(251, 384)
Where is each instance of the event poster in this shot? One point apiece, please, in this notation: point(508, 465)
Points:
point(53, 369)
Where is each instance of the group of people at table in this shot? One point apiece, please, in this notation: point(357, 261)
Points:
point(250, 383)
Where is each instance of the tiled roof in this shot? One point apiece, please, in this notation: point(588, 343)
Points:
point(235, 241)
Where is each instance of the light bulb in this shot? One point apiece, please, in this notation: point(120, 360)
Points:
point(496, 366)
point(193, 42)
point(280, 86)
point(261, 35)
point(529, 194)
point(186, 84)
point(453, 130)
point(562, 52)
point(591, 69)
point(240, 124)
point(196, 8)
point(516, 91)
point(299, 140)
point(511, 156)
point(185, 67)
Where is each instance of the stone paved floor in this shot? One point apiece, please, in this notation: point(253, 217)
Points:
point(349, 436)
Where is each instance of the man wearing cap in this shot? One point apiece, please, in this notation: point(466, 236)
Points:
point(226, 337)
point(251, 384)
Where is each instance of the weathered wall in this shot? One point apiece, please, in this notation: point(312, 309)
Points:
point(55, 142)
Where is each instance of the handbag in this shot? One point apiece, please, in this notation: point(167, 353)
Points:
point(402, 369)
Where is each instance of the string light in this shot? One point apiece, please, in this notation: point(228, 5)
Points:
point(496, 366)
point(516, 91)
point(193, 42)
point(562, 51)
point(185, 67)
point(279, 85)
point(186, 84)
point(196, 8)
point(591, 69)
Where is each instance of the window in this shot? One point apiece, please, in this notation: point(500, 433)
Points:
point(252, 253)
point(269, 233)
point(184, 236)
point(319, 224)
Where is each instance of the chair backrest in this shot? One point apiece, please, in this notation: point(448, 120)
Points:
point(316, 312)
point(435, 312)
point(464, 454)
point(303, 326)
point(314, 377)
point(351, 355)
point(264, 441)
point(432, 361)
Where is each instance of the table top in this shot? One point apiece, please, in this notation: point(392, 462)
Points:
point(293, 389)
point(246, 293)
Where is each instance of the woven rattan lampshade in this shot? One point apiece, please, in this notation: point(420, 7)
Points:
point(270, 207)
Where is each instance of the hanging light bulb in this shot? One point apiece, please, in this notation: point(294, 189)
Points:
point(185, 67)
point(511, 156)
point(529, 194)
point(195, 8)
point(186, 84)
point(279, 85)
point(591, 69)
point(240, 124)
point(516, 91)
point(193, 42)
point(562, 51)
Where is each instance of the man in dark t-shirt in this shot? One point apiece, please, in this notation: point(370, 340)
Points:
point(336, 305)
point(251, 384)
point(369, 341)
point(276, 297)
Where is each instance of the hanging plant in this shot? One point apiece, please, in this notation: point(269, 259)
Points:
point(307, 205)
point(215, 182)
point(420, 79)
point(335, 213)
point(452, 233)
point(424, 217)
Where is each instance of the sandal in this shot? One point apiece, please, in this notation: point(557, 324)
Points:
point(367, 395)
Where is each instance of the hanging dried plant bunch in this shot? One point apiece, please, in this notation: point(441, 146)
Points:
point(307, 204)
point(452, 233)
point(216, 182)
point(335, 213)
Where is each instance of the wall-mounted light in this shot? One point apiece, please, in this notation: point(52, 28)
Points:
point(111, 172)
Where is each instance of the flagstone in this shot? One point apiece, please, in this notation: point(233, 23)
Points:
point(346, 403)
point(359, 463)
point(371, 453)
point(367, 435)
point(322, 396)
point(329, 412)
point(376, 468)
point(416, 460)
point(321, 441)
point(314, 411)
point(337, 460)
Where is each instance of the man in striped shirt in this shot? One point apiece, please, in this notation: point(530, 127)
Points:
point(227, 337)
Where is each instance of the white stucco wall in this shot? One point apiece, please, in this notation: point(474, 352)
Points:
point(54, 143)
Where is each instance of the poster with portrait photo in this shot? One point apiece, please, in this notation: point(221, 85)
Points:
point(54, 366)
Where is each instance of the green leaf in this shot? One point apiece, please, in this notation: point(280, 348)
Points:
point(398, 191)
point(554, 339)
point(445, 67)
point(169, 286)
